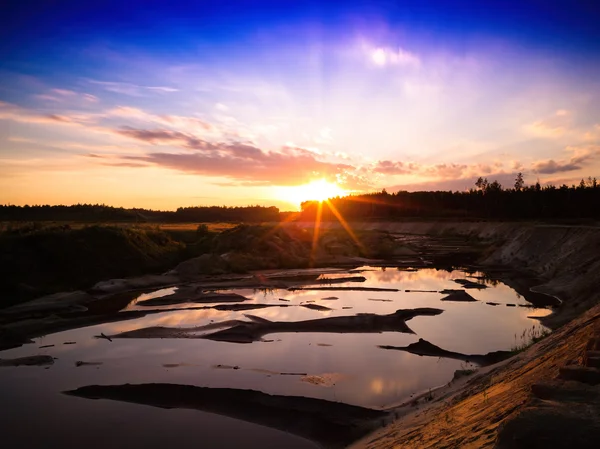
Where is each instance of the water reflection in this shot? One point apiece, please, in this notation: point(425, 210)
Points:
point(364, 375)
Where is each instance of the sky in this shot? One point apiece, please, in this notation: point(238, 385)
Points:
point(160, 104)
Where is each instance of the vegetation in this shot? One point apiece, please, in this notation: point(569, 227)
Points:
point(42, 260)
point(251, 247)
point(529, 337)
point(252, 214)
point(488, 200)
point(38, 259)
point(101, 213)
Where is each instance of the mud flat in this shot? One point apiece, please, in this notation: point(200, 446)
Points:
point(348, 289)
point(34, 360)
point(424, 348)
point(457, 295)
point(253, 330)
point(193, 295)
point(316, 307)
point(331, 424)
point(470, 284)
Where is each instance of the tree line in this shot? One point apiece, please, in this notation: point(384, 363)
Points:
point(486, 200)
point(103, 213)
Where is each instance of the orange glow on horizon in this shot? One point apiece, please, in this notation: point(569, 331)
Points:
point(317, 190)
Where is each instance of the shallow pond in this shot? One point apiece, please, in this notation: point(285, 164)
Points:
point(340, 367)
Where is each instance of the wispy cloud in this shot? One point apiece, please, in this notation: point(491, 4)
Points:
point(63, 95)
point(554, 126)
point(187, 123)
point(134, 90)
point(156, 136)
point(15, 113)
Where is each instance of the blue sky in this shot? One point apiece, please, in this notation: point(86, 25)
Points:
point(162, 104)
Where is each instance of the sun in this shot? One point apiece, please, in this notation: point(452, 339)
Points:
point(321, 190)
point(317, 190)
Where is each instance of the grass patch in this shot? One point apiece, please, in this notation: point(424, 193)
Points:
point(529, 337)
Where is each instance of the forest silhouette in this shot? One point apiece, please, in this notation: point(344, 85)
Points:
point(485, 201)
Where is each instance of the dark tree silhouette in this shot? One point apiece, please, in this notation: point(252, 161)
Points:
point(103, 213)
point(489, 200)
point(519, 182)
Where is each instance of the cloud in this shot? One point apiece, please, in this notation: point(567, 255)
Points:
point(47, 97)
point(160, 88)
point(160, 136)
point(516, 165)
point(243, 163)
point(507, 180)
point(355, 181)
point(552, 127)
point(324, 137)
point(551, 166)
point(62, 95)
point(446, 170)
point(128, 112)
point(125, 164)
point(580, 157)
point(184, 122)
point(59, 118)
point(383, 56)
point(593, 134)
point(15, 113)
point(154, 136)
point(177, 121)
point(133, 90)
point(395, 168)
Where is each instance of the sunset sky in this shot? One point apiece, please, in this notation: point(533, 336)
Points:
point(162, 104)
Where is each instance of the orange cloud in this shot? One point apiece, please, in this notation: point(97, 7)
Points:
point(554, 126)
point(243, 162)
point(395, 167)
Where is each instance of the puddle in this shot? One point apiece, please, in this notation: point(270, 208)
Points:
point(331, 366)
